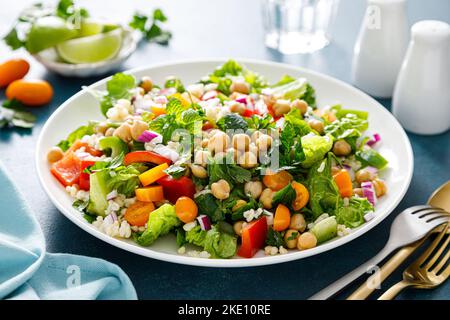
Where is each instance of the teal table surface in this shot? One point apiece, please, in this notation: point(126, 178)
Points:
point(232, 28)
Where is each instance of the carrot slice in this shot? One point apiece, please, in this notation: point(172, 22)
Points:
point(344, 183)
point(150, 194)
point(156, 173)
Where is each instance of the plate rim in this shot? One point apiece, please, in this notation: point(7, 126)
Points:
point(228, 263)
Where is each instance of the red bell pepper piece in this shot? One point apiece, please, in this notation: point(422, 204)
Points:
point(84, 177)
point(253, 237)
point(176, 188)
point(145, 156)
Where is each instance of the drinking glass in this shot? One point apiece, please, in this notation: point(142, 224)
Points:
point(298, 26)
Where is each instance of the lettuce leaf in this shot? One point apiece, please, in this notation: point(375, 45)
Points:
point(315, 148)
point(76, 135)
point(220, 244)
point(160, 222)
point(352, 216)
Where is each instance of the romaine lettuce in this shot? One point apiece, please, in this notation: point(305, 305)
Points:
point(315, 148)
point(352, 216)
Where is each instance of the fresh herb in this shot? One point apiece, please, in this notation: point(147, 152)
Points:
point(293, 236)
point(232, 121)
point(180, 237)
point(176, 171)
point(13, 114)
point(89, 217)
point(66, 9)
point(284, 196)
point(225, 168)
point(174, 82)
point(252, 204)
point(76, 135)
point(210, 206)
point(151, 26)
point(370, 157)
point(12, 40)
point(80, 205)
point(324, 193)
point(274, 238)
point(125, 180)
point(257, 122)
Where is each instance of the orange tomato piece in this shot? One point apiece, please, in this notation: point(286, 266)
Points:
point(186, 209)
point(150, 194)
point(154, 174)
point(282, 218)
point(302, 197)
point(157, 111)
point(79, 144)
point(12, 70)
point(137, 214)
point(30, 92)
point(344, 183)
point(278, 180)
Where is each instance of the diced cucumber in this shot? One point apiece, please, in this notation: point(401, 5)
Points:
point(98, 192)
point(370, 157)
point(113, 144)
point(325, 229)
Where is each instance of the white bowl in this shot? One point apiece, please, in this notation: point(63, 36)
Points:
point(83, 107)
point(50, 59)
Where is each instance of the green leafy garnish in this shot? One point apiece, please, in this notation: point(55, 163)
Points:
point(274, 238)
point(118, 87)
point(260, 122)
point(370, 157)
point(232, 121)
point(66, 9)
point(151, 28)
point(352, 216)
point(174, 82)
point(284, 196)
point(76, 135)
point(13, 114)
point(176, 171)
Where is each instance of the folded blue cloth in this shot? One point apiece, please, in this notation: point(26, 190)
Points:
point(28, 272)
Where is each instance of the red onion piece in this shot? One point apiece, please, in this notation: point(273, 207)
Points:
point(372, 170)
point(242, 99)
point(350, 171)
point(369, 192)
point(111, 195)
point(374, 139)
point(205, 223)
point(111, 218)
point(160, 99)
point(147, 136)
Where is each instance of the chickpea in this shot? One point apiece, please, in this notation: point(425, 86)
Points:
point(198, 171)
point(364, 175)
point(146, 83)
point(380, 187)
point(334, 170)
point(239, 204)
point(264, 142)
point(238, 226)
point(237, 107)
point(316, 125)
point(55, 154)
point(266, 198)
point(291, 238)
point(123, 132)
point(269, 100)
point(137, 128)
point(342, 148)
point(281, 107)
point(241, 142)
point(300, 105)
point(358, 192)
point(253, 188)
point(109, 132)
point(240, 86)
point(253, 149)
point(219, 142)
point(306, 240)
point(101, 128)
point(221, 189)
point(256, 135)
point(298, 222)
point(248, 160)
point(201, 158)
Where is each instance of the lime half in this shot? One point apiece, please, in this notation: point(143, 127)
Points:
point(91, 49)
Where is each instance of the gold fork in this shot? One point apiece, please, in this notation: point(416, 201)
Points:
point(427, 271)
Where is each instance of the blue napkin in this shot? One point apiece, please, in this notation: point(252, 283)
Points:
point(27, 271)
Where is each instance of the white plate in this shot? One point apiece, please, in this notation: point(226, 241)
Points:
point(82, 107)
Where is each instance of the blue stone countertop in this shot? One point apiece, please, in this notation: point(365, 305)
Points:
point(230, 28)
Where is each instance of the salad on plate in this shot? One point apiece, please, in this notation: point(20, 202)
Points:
point(230, 165)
